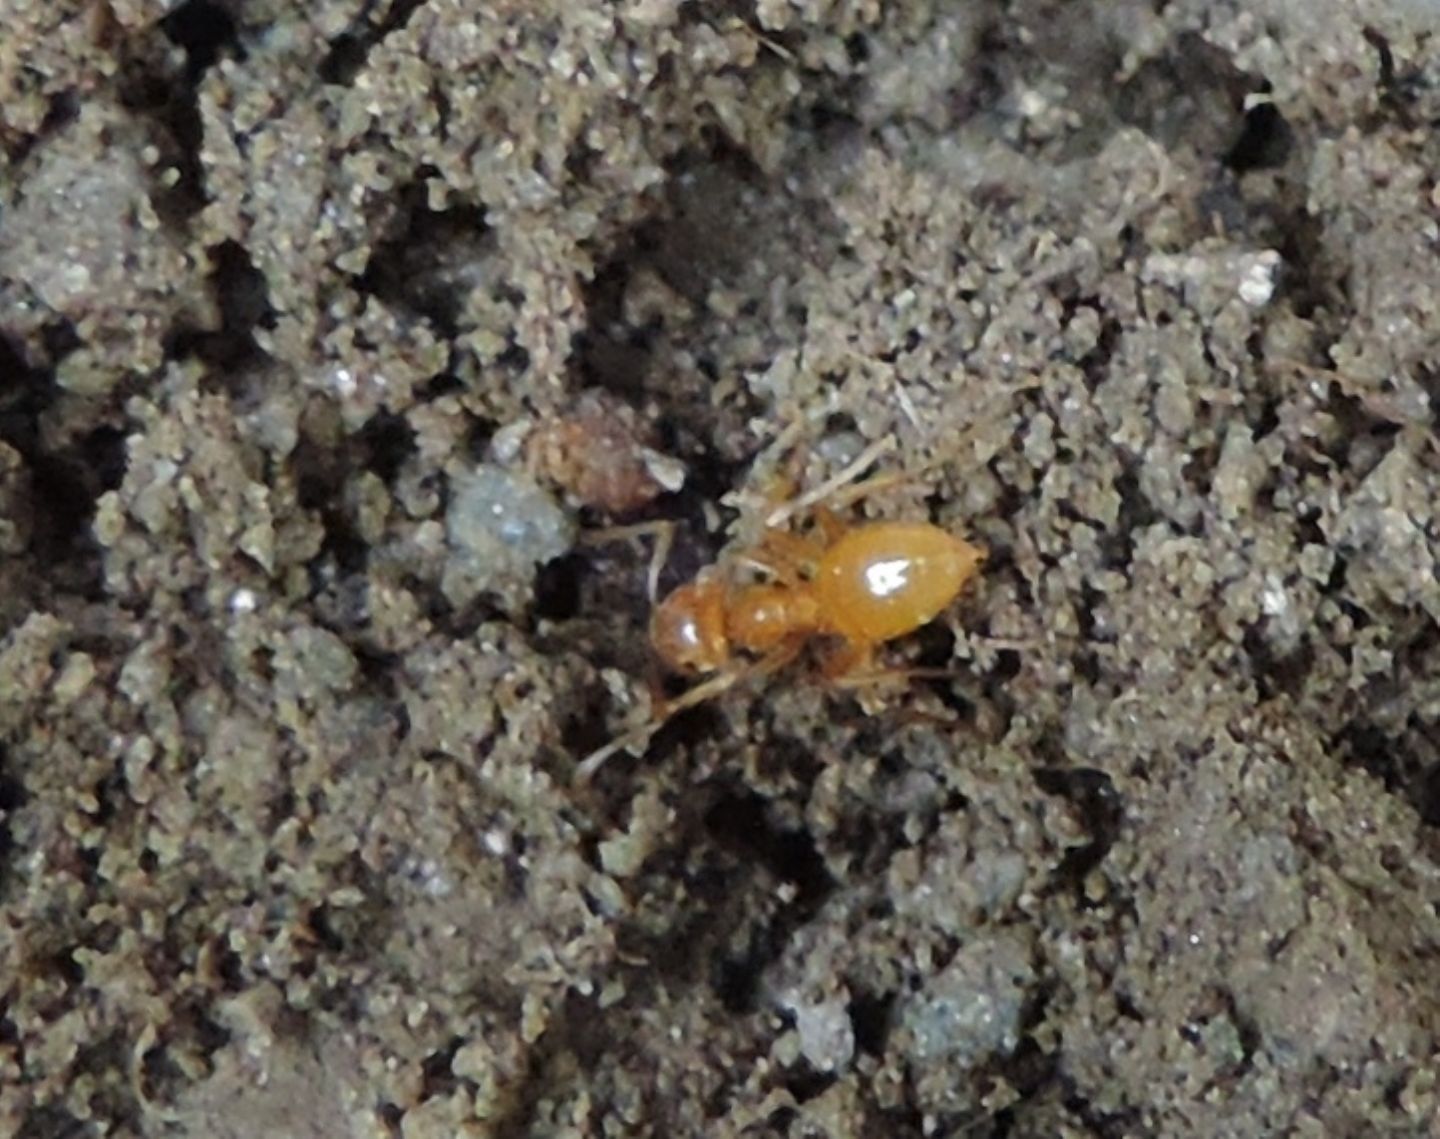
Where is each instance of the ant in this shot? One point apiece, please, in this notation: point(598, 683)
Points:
point(857, 584)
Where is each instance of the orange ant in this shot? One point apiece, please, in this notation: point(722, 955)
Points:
point(860, 585)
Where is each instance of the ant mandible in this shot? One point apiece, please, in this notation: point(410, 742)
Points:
point(858, 585)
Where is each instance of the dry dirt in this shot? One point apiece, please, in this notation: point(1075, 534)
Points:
point(325, 338)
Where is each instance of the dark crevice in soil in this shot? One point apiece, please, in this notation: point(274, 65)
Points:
point(904, 1122)
point(871, 1019)
point(998, 45)
point(1308, 278)
point(24, 393)
point(62, 108)
point(1407, 764)
point(1277, 674)
point(166, 101)
point(51, 1122)
point(111, 1053)
point(65, 483)
point(1030, 1070)
point(429, 260)
point(391, 1115)
point(685, 732)
point(740, 822)
point(12, 798)
point(319, 475)
point(242, 299)
point(735, 979)
point(613, 354)
point(1192, 98)
point(1137, 513)
point(700, 236)
point(805, 1083)
point(1101, 811)
point(559, 588)
point(583, 727)
point(438, 609)
point(386, 441)
point(1095, 364)
point(936, 651)
point(160, 1076)
point(204, 29)
point(435, 1074)
point(352, 47)
point(1265, 143)
point(102, 453)
point(1427, 798)
point(1103, 1124)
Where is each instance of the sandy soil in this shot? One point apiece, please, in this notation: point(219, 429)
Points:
point(325, 341)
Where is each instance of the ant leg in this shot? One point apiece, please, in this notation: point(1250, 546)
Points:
point(827, 518)
point(658, 557)
point(772, 490)
point(639, 737)
point(662, 530)
point(831, 526)
point(853, 666)
point(879, 677)
point(778, 657)
point(848, 662)
point(848, 496)
point(828, 490)
point(785, 556)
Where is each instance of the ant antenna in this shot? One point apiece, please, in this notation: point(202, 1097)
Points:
point(847, 474)
point(642, 735)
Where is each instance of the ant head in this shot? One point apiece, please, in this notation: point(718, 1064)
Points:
point(687, 629)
